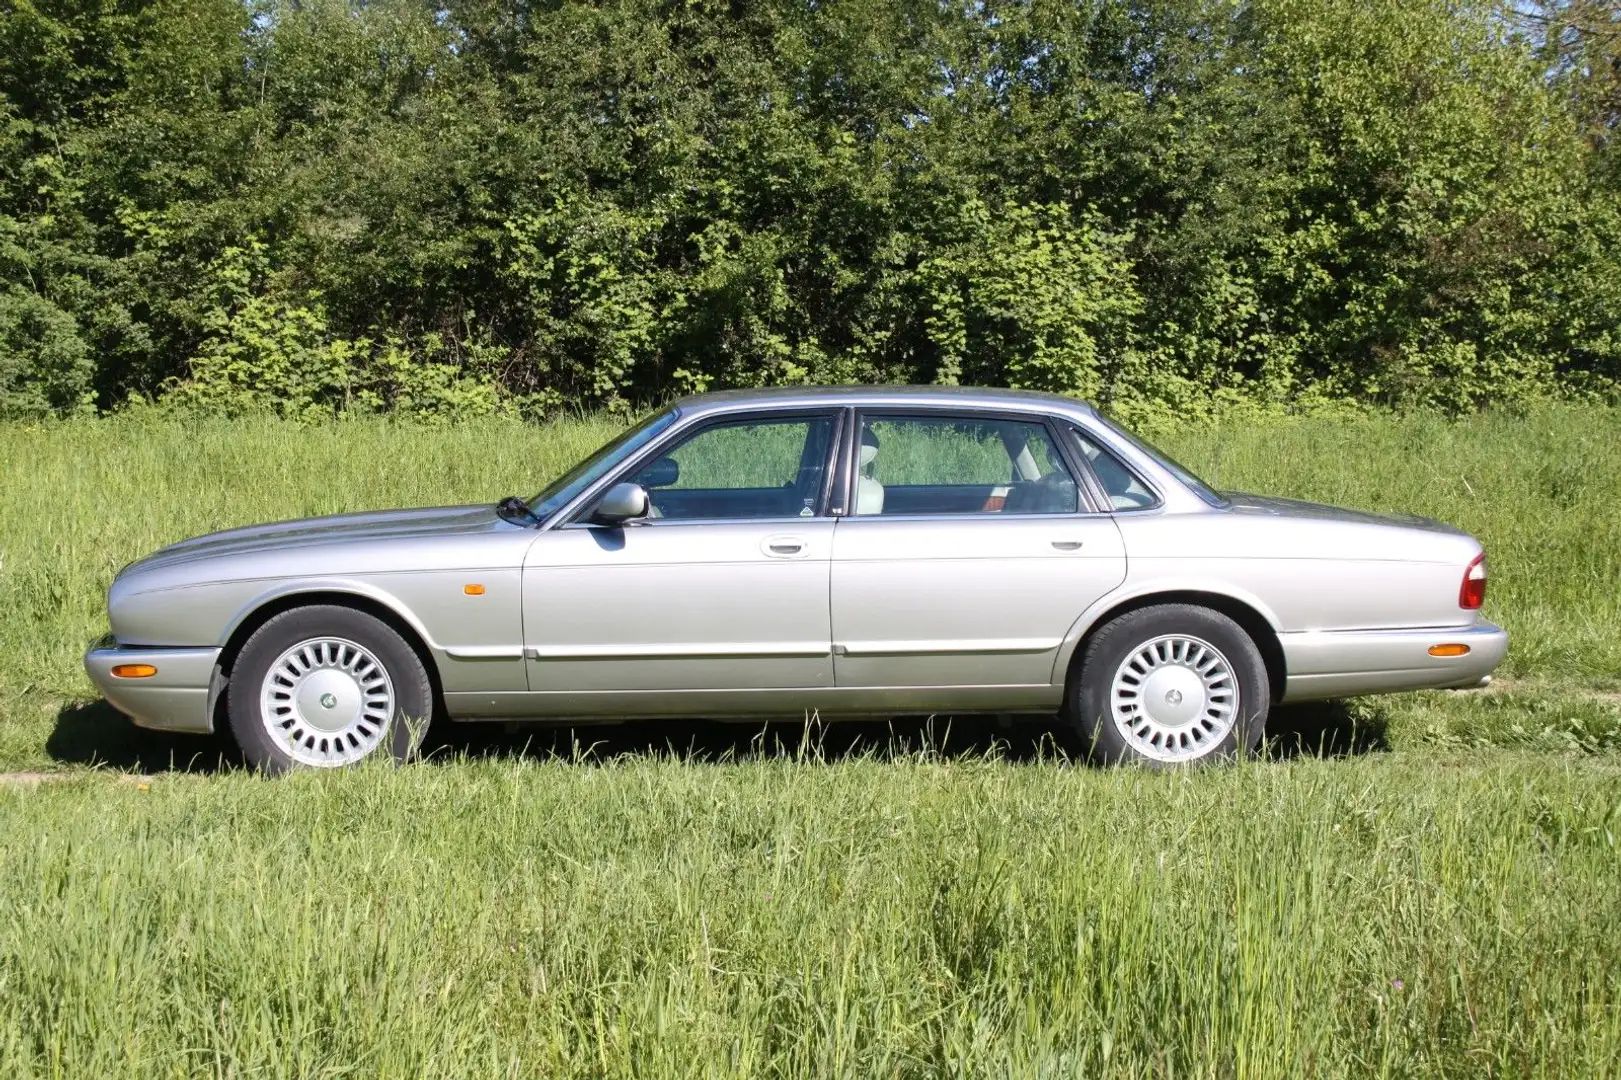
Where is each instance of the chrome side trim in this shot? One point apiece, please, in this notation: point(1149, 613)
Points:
point(693, 651)
point(484, 652)
point(919, 648)
point(793, 702)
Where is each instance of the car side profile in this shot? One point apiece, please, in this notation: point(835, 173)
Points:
point(849, 551)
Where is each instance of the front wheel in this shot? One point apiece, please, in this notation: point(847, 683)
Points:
point(325, 686)
point(1173, 684)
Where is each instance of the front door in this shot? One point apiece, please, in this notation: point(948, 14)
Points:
point(723, 587)
point(968, 555)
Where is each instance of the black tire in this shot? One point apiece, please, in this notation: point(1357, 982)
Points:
point(1088, 719)
point(413, 697)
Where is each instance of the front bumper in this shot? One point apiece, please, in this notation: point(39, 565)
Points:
point(1346, 663)
point(180, 697)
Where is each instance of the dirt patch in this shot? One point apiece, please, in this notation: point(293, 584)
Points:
point(30, 779)
point(1544, 688)
point(35, 779)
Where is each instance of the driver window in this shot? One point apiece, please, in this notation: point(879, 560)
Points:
point(762, 468)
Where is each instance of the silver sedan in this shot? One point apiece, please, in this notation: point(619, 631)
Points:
point(844, 551)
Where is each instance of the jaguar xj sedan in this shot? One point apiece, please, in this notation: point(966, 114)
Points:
point(850, 551)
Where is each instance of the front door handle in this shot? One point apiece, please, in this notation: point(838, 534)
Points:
point(1068, 545)
point(783, 547)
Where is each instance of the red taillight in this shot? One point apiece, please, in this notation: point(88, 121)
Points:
point(1473, 592)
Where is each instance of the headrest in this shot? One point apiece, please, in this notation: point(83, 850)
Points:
point(869, 446)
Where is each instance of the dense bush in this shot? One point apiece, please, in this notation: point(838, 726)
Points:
point(313, 205)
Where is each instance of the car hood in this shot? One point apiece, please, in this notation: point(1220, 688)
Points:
point(1245, 503)
point(334, 529)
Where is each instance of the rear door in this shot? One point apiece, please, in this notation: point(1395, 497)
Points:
point(968, 553)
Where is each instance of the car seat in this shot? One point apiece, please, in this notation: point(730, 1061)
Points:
point(869, 492)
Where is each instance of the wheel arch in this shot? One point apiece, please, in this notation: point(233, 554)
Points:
point(1249, 616)
point(268, 607)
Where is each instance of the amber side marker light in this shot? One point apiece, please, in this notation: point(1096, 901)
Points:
point(1449, 650)
point(134, 671)
point(473, 590)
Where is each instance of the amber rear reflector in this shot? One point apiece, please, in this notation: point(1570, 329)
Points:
point(473, 590)
point(134, 671)
point(1449, 650)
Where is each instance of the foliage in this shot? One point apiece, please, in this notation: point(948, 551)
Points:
point(261, 354)
point(1027, 299)
point(453, 208)
point(45, 366)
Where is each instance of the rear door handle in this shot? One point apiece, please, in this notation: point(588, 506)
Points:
point(783, 547)
point(1068, 545)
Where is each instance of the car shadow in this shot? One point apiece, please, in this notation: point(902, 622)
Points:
point(1326, 729)
point(95, 734)
point(1321, 730)
point(1015, 739)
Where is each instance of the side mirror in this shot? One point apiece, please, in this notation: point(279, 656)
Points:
point(622, 503)
point(662, 473)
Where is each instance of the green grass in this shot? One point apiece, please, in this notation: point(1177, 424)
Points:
point(856, 918)
point(1418, 885)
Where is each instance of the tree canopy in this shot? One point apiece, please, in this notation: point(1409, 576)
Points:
point(320, 205)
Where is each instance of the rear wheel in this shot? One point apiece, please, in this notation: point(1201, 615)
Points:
point(1173, 684)
point(325, 686)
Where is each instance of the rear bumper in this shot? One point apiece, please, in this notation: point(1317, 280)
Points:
point(1345, 663)
point(180, 697)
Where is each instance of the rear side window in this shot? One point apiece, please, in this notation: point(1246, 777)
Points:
point(959, 465)
point(1125, 491)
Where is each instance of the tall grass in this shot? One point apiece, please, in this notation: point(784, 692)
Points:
point(927, 917)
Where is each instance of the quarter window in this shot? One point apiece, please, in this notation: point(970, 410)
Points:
point(1125, 491)
point(764, 468)
point(959, 465)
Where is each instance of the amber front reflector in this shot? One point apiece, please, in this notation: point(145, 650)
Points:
point(1449, 650)
point(134, 671)
point(473, 590)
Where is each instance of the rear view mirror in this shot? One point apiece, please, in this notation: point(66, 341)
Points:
point(622, 503)
point(662, 473)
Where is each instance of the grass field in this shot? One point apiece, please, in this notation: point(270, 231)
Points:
point(1413, 886)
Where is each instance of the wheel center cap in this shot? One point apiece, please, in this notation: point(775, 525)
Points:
point(1173, 695)
point(328, 699)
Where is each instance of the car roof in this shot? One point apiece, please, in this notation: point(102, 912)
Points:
point(810, 396)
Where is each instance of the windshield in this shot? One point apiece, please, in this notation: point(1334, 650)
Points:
point(1193, 483)
point(589, 471)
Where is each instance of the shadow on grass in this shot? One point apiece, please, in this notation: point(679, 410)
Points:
point(1326, 729)
point(1016, 739)
point(93, 733)
point(96, 734)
